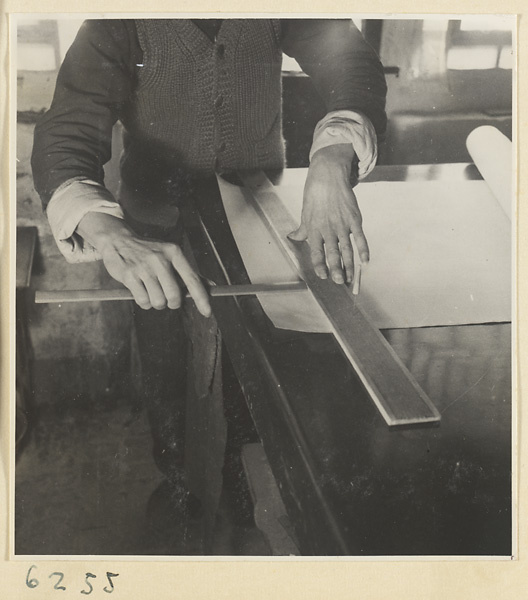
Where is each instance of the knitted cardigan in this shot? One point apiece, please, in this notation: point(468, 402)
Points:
point(191, 102)
point(202, 106)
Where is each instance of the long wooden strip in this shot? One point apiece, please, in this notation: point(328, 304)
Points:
point(93, 295)
point(394, 391)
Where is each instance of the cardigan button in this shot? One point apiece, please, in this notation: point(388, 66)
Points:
point(219, 101)
point(222, 147)
point(220, 51)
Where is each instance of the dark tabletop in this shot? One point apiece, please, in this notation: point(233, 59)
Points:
point(351, 484)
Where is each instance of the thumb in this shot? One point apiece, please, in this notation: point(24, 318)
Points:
point(299, 235)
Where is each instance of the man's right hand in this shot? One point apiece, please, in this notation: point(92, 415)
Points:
point(148, 268)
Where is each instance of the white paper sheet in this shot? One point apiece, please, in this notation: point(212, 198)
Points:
point(440, 254)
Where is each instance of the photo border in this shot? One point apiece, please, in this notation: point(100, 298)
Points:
point(421, 577)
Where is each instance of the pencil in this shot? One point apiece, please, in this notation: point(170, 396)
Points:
point(357, 280)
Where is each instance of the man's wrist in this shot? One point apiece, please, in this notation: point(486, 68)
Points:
point(348, 127)
point(340, 158)
point(336, 153)
point(73, 200)
point(101, 230)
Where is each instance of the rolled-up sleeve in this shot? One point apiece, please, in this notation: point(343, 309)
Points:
point(68, 205)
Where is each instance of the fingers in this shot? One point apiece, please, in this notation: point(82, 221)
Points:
point(317, 252)
point(146, 289)
point(192, 282)
point(299, 235)
point(156, 294)
point(164, 289)
point(335, 255)
point(149, 270)
point(333, 258)
point(361, 241)
point(118, 268)
point(347, 255)
point(172, 296)
point(355, 225)
point(138, 290)
point(340, 258)
point(171, 291)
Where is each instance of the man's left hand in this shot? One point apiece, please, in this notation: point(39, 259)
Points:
point(331, 213)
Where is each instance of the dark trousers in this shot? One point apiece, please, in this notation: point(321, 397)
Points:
point(185, 389)
point(163, 350)
point(181, 364)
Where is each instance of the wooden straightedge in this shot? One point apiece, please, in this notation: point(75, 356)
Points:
point(394, 391)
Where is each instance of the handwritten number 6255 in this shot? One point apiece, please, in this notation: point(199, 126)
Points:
point(33, 582)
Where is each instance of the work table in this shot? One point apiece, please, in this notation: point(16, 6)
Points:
point(352, 485)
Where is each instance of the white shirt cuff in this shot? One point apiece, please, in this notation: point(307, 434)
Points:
point(348, 127)
point(68, 205)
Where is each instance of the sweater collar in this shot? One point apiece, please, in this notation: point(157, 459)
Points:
point(198, 42)
point(210, 27)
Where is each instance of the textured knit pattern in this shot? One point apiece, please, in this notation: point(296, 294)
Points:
point(105, 73)
point(205, 105)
